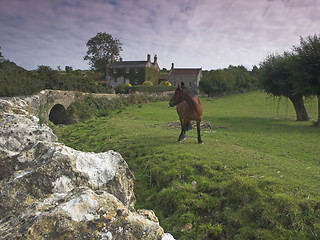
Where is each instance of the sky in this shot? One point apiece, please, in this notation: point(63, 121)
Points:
point(207, 34)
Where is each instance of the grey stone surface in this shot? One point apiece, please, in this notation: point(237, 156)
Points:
point(50, 191)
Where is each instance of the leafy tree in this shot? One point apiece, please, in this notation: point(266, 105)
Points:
point(277, 78)
point(49, 76)
point(1, 56)
point(308, 67)
point(68, 68)
point(229, 80)
point(216, 83)
point(100, 51)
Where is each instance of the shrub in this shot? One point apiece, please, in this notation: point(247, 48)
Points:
point(147, 83)
point(122, 88)
point(91, 107)
point(15, 80)
point(152, 89)
point(165, 83)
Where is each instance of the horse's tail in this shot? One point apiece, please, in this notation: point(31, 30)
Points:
point(189, 126)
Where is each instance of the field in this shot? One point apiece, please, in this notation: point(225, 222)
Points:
point(257, 175)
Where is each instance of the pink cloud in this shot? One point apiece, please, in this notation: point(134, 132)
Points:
point(205, 33)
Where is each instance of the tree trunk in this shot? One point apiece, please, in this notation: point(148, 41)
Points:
point(298, 104)
point(318, 122)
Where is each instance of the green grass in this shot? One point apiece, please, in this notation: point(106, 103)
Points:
point(257, 175)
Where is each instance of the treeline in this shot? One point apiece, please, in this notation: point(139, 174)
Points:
point(15, 80)
point(128, 88)
point(229, 80)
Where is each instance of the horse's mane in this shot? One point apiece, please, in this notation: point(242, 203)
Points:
point(190, 91)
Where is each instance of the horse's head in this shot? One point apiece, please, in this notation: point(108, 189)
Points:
point(177, 97)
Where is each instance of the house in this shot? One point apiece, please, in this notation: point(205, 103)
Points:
point(190, 76)
point(133, 72)
point(163, 76)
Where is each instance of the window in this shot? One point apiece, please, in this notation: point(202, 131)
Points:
point(127, 70)
point(137, 70)
point(115, 71)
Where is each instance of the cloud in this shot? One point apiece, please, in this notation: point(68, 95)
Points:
point(205, 33)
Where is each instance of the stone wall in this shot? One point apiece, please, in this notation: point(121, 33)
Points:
point(42, 104)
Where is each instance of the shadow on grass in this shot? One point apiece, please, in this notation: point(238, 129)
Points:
point(264, 125)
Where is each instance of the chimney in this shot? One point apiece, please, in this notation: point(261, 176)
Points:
point(112, 57)
point(149, 58)
point(172, 66)
point(155, 59)
point(120, 59)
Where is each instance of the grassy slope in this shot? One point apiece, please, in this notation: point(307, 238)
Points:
point(257, 174)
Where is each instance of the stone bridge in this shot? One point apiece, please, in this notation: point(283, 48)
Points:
point(52, 104)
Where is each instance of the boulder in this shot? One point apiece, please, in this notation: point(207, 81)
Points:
point(48, 190)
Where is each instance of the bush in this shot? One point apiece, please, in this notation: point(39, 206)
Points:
point(91, 107)
point(152, 89)
point(122, 88)
point(147, 83)
point(17, 81)
point(165, 83)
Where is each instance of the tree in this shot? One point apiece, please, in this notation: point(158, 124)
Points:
point(1, 56)
point(229, 80)
point(68, 68)
point(308, 67)
point(49, 76)
point(277, 77)
point(214, 83)
point(101, 49)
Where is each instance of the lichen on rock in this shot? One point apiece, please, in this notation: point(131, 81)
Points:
point(51, 191)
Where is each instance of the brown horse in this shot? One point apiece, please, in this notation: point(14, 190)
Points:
point(189, 108)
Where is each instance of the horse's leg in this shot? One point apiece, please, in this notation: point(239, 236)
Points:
point(183, 131)
point(198, 131)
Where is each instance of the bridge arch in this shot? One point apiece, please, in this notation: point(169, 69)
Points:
point(58, 115)
point(52, 104)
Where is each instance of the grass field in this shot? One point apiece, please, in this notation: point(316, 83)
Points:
point(257, 175)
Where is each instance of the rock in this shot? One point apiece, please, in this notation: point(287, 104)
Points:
point(194, 185)
point(167, 236)
point(48, 190)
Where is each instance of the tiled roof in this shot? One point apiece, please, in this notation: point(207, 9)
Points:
point(128, 64)
point(185, 71)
